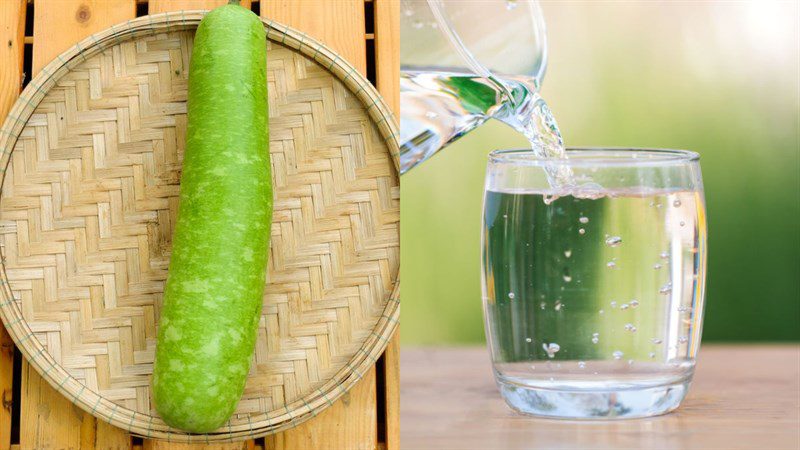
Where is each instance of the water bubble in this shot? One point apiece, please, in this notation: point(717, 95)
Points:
point(417, 24)
point(567, 278)
point(511, 4)
point(630, 327)
point(431, 115)
point(582, 231)
point(630, 362)
point(595, 338)
point(528, 340)
point(652, 355)
point(683, 339)
point(656, 266)
point(567, 253)
point(551, 349)
point(542, 305)
point(676, 203)
point(624, 306)
point(652, 204)
point(505, 216)
point(408, 12)
point(658, 205)
point(601, 312)
point(634, 303)
point(664, 255)
point(613, 241)
point(433, 24)
point(613, 304)
point(617, 354)
point(666, 289)
point(656, 341)
point(511, 295)
point(558, 305)
point(583, 219)
point(682, 223)
point(581, 365)
point(684, 309)
point(611, 265)
point(547, 199)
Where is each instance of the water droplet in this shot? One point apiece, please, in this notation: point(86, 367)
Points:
point(652, 355)
point(634, 303)
point(581, 365)
point(676, 203)
point(568, 253)
point(684, 309)
point(656, 341)
point(624, 306)
point(656, 266)
point(551, 349)
point(417, 24)
point(630, 327)
point(682, 223)
point(652, 204)
point(611, 265)
point(567, 278)
point(658, 205)
point(511, 4)
point(601, 312)
point(613, 241)
point(613, 304)
point(431, 115)
point(595, 338)
point(666, 289)
point(630, 362)
point(617, 354)
point(511, 295)
point(505, 216)
point(542, 305)
point(528, 340)
point(683, 339)
point(433, 24)
point(582, 231)
point(408, 12)
point(558, 305)
point(664, 255)
point(583, 220)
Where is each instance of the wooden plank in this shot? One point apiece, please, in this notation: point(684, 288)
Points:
point(387, 52)
point(159, 6)
point(338, 24)
point(48, 420)
point(387, 61)
point(73, 20)
point(349, 424)
point(352, 421)
point(742, 397)
point(391, 373)
point(12, 35)
point(162, 445)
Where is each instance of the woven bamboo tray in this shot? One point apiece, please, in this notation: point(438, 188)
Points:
point(91, 158)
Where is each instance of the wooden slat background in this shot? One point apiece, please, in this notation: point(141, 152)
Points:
point(49, 421)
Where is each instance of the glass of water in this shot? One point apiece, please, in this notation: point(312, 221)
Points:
point(593, 290)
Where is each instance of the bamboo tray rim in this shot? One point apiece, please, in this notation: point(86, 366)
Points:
point(147, 425)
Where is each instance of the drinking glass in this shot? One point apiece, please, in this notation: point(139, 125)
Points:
point(593, 292)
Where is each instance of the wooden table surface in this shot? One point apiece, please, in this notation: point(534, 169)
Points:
point(742, 397)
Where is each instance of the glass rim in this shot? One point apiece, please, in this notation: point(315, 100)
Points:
point(597, 157)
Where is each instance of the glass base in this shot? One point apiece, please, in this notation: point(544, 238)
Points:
point(593, 405)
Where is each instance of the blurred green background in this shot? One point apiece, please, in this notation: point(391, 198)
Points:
point(720, 78)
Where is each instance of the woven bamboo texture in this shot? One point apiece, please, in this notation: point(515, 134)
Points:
point(91, 158)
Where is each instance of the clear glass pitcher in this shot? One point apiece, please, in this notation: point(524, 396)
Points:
point(463, 62)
